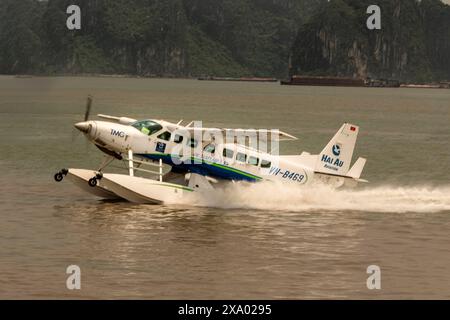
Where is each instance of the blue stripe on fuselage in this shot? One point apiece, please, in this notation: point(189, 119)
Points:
point(203, 168)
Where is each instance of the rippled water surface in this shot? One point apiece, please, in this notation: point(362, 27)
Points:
point(252, 241)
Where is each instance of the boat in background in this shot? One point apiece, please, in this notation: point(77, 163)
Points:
point(298, 80)
point(245, 79)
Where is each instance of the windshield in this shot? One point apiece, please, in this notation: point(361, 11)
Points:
point(147, 127)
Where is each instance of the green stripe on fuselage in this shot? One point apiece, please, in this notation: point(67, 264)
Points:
point(222, 166)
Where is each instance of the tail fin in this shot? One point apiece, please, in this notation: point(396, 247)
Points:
point(336, 157)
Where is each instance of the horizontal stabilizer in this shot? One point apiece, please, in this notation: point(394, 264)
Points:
point(357, 168)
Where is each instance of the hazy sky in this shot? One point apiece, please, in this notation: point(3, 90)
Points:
point(446, 1)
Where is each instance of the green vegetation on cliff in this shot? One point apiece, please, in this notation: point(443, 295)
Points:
point(413, 43)
point(226, 38)
point(151, 37)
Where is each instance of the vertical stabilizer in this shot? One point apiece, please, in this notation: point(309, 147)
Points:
point(336, 157)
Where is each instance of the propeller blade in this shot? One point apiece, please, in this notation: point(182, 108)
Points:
point(88, 108)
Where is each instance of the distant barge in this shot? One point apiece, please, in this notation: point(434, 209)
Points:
point(248, 79)
point(442, 85)
point(341, 82)
point(324, 81)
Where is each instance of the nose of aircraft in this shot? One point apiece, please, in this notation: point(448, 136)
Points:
point(83, 127)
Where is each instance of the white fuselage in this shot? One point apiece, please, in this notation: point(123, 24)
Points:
point(176, 147)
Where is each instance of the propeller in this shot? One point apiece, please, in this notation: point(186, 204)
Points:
point(87, 113)
point(88, 108)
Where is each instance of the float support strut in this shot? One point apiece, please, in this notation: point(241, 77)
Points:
point(130, 162)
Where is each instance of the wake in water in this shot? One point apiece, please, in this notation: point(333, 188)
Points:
point(275, 196)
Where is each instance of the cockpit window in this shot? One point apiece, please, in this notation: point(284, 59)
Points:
point(147, 127)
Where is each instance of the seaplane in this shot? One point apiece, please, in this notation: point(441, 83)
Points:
point(172, 163)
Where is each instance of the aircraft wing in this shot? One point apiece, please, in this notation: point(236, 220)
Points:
point(262, 134)
point(121, 120)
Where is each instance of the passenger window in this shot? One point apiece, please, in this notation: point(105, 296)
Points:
point(253, 161)
point(210, 148)
point(227, 153)
point(165, 136)
point(241, 157)
point(178, 138)
point(265, 164)
point(193, 143)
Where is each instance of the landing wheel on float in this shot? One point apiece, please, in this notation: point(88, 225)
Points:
point(92, 182)
point(59, 176)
